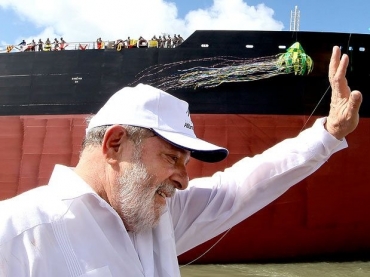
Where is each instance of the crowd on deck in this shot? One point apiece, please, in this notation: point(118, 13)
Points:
point(160, 42)
point(163, 41)
point(56, 45)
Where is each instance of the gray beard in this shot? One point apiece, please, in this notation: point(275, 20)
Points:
point(136, 198)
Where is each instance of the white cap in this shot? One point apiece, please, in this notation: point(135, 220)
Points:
point(168, 116)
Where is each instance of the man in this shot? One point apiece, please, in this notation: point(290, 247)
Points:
point(160, 42)
point(56, 44)
point(99, 43)
point(169, 42)
point(128, 208)
point(22, 45)
point(47, 45)
point(40, 44)
point(32, 45)
point(63, 44)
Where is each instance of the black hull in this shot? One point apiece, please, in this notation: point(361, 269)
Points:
point(79, 82)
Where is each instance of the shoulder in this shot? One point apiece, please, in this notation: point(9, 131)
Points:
point(28, 210)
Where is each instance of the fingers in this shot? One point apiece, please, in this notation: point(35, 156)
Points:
point(342, 68)
point(337, 73)
point(334, 62)
point(355, 101)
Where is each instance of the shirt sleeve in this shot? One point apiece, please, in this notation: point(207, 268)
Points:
point(211, 205)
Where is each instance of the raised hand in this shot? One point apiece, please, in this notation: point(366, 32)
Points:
point(344, 106)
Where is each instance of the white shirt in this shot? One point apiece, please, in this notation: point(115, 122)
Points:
point(66, 229)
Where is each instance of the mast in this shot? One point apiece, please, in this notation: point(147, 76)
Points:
point(294, 19)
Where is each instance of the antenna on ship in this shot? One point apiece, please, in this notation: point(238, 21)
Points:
point(294, 19)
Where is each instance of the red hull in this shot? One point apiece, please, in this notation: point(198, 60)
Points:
point(325, 215)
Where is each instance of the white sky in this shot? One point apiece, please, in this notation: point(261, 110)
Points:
point(86, 20)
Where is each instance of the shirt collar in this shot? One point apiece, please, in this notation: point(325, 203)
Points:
point(68, 184)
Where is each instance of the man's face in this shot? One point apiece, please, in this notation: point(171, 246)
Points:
point(156, 169)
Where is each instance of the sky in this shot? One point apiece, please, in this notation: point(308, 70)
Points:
point(86, 20)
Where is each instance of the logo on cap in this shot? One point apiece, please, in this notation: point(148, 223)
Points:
point(189, 126)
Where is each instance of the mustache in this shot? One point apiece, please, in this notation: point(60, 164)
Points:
point(167, 188)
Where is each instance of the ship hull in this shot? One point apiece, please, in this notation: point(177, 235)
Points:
point(324, 216)
point(45, 98)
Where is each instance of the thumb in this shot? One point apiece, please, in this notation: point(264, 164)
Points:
point(355, 101)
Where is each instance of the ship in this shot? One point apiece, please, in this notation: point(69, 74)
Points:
point(239, 98)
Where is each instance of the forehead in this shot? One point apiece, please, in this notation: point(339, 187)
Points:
point(163, 145)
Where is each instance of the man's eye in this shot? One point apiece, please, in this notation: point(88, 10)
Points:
point(173, 158)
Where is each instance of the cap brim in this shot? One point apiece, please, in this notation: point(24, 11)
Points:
point(199, 149)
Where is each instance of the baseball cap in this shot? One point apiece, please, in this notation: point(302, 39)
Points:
point(166, 115)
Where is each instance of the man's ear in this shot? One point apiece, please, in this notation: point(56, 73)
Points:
point(114, 142)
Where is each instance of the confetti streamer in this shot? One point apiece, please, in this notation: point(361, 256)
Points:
point(212, 72)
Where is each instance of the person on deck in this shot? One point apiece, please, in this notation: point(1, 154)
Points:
point(99, 43)
point(174, 41)
point(127, 43)
point(128, 207)
point(56, 44)
point(179, 39)
point(142, 42)
point(32, 45)
point(161, 42)
point(47, 46)
point(119, 44)
point(40, 44)
point(63, 44)
point(22, 45)
point(169, 42)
